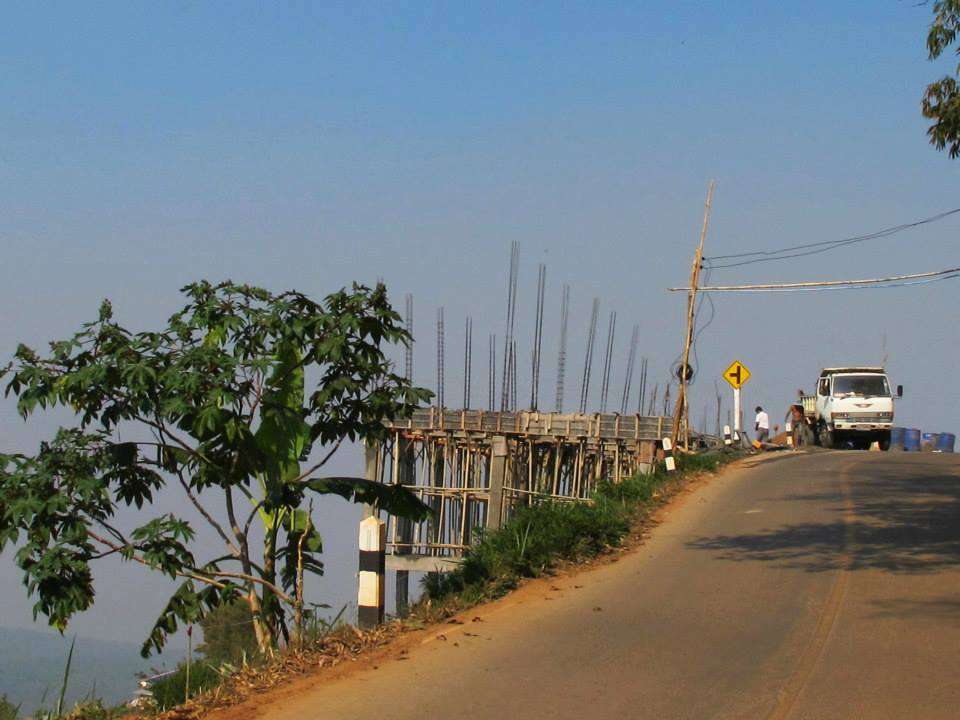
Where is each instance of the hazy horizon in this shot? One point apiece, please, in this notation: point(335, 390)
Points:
point(305, 147)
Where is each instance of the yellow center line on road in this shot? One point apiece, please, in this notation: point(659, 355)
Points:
point(789, 695)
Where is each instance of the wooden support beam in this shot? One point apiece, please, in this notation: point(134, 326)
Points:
point(498, 477)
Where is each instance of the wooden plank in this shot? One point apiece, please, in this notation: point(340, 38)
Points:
point(422, 563)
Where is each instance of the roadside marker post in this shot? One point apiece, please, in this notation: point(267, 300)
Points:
point(371, 595)
point(788, 428)
point(668, 460)
point(727, 440)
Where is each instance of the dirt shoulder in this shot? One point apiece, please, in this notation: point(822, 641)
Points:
point(250, 694)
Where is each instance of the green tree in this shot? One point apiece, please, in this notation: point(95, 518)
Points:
point(8, 711)
point(228, 633)
point(214, 406)
point(941, 101)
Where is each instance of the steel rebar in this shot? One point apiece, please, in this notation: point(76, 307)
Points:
point(588, 360)
point(607, 361)
point(642, 395)
point(537, 338)
point(492, 374)
point(440, 358)
point(467, 361)
point(631, 362)
point(408, 352)
point(506, 390)
point(562, 354)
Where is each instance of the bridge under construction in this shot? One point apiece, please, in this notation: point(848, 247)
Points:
point(474, 467)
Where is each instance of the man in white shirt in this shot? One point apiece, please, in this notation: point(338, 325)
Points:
point(762, 425)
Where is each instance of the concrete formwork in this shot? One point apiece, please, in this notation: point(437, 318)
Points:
point(475, 467)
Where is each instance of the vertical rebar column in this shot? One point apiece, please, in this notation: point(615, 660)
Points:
point(492, 374)
point(631, 361)
point(408, 354)
point(440, 358)
point(607, 362)
point(513, 376)
point(562, 354)
point(508, 336)
point(537, 338)
point(640, 388)
point(467, 361)
point(588, 360)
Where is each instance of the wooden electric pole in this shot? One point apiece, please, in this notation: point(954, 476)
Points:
point(681, 418)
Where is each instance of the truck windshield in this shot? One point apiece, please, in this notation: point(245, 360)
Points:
point(860, 385)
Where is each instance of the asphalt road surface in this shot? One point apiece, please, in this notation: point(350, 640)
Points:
point(822, 585)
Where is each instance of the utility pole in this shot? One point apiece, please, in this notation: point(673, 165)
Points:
point(681, 413)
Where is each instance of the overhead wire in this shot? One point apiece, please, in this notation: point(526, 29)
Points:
point(821, 288)
point(869, 282)
point(815, 248)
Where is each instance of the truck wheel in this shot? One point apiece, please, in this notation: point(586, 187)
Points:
point(826, 437)
point(883, 439)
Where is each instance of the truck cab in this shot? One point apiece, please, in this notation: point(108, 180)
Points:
point(854, 404)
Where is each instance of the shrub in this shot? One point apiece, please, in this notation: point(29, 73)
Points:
point(228, 635)
point(8, 711)
point(172, 689)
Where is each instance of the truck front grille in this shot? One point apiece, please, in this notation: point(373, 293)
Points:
point(864, 417)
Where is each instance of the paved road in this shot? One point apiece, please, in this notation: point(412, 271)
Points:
point(808, 586)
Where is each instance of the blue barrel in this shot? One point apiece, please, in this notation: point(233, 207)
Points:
point(896, 438)
point(945, 442)
point(928, 441)
point(911, 439)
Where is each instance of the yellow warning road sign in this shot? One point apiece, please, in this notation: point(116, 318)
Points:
point(737, 374)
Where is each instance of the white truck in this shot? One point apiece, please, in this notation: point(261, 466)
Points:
point(852, 405)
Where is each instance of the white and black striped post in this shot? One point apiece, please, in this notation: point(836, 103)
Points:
point(668, 455)
point(371, 596)
point(727, 439)
point(788, 428)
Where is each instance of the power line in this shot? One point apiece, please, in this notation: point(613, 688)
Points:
point(796, 251)
point(881, 286)
point(893, 281)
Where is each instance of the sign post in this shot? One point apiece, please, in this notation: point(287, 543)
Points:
point(737, 375)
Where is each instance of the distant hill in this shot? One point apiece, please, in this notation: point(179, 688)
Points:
point(32, 663)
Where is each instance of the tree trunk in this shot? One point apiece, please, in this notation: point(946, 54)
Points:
point(298, 598)
point(260, 629)
point(271, 607)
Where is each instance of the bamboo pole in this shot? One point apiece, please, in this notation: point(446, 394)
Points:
point(682, 402)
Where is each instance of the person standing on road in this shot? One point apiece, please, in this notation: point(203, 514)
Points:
point(797, 421)
point(762, 425)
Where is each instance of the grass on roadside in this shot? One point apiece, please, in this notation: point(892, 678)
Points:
point(538, 537)
point(171, 690)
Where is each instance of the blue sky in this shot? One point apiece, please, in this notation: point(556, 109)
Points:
point(298, 145)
